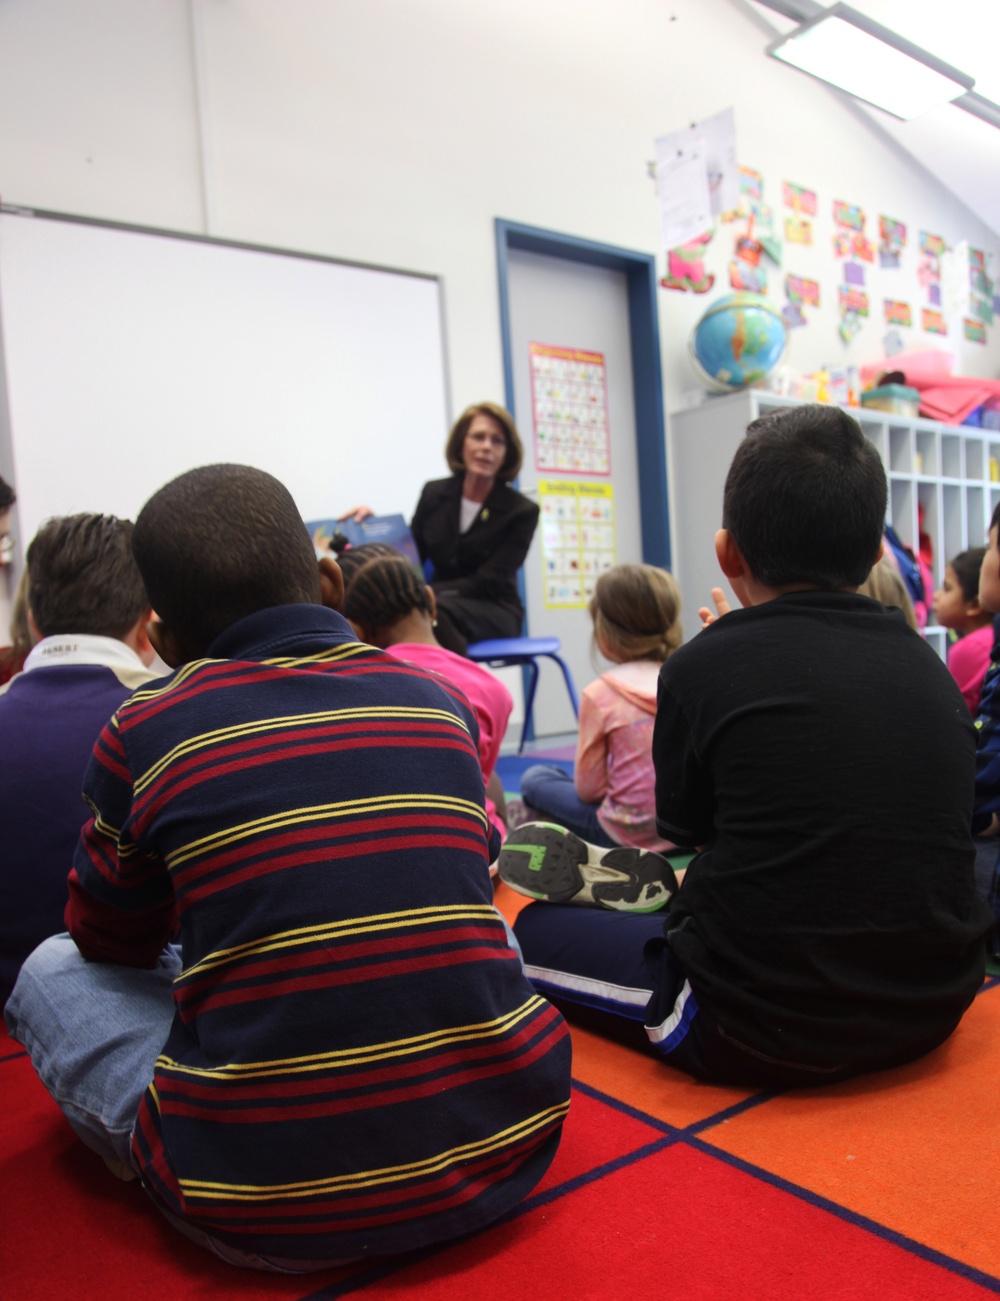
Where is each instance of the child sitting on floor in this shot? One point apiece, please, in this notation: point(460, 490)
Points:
point(343, 1058)
point(813, 938)
point(389, 605)
point(609, 799)
point(956, 605)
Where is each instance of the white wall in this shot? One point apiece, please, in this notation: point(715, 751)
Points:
point(394, 131)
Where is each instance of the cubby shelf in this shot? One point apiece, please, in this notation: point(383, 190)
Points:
point(949, 475)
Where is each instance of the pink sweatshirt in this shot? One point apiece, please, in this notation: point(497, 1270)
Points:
point(486, 694)
point(968, 660)
point(614, 762)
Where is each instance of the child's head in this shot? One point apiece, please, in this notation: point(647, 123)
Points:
point(885, 584)
point(635, 609)
point(217, 544)
point(805, 499)
point(380, 595)
point(82, 577)
point(989, 575)
point(354, 558)
point(956, 601)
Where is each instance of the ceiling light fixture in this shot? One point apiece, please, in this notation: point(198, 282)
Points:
point(848, 50)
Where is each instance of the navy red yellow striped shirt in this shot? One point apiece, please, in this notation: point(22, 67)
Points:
point(357, 1064)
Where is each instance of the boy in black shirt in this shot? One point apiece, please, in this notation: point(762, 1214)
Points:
point(821, 756)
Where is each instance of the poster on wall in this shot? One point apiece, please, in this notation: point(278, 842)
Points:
point(569, 403)
point(682, 187)
point(578, 540)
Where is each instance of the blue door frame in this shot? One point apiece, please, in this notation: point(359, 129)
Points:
point(647, 382)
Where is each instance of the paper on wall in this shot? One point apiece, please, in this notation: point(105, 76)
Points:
point(955, 296)
point(719, 134)
point(682, 187)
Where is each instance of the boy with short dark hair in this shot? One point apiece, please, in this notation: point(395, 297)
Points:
point(343, 1058)
point(822, 758)
point(89, 611)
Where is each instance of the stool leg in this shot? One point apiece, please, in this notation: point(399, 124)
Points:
point(529, 701)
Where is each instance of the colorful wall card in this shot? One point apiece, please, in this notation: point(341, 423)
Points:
point(742, 275)
point(578, 540)
point(893, 344)
point(800, 290)
point(793, 316)
point(934, 245)
point(891, 232)
point(975, 331)
point(798, 198)
point(751, 184)
point(849, 326)
point(569, 399)
point(798, 230)
point(897, 313)
point(863, 248)
point(843, 244)
point(852, 300)
point(849, 215)
point(854, 274)
point(932, 322)
point(686, 267)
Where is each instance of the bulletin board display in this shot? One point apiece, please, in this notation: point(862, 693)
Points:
point(578, 539)
point(131, 355)
point(569, 403)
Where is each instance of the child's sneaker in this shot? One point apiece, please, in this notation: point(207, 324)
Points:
point(548, 862)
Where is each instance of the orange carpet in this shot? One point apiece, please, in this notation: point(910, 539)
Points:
point(880, 1189)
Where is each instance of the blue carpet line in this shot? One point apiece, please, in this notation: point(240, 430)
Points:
point(882, 1231)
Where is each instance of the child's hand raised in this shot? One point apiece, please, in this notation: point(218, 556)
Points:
point(721, 607)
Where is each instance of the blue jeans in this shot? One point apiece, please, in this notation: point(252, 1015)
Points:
point(549, 790)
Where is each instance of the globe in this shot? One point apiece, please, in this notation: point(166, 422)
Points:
point(738, 341)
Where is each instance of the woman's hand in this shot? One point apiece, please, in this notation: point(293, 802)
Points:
point(721, 607)
point(358, 514)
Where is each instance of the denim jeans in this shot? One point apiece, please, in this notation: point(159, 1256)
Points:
point(549, 790)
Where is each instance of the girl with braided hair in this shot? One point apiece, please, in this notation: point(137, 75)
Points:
point(389, 606)
point(609, 800)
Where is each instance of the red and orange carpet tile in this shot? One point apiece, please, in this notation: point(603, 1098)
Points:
point(883, 1188)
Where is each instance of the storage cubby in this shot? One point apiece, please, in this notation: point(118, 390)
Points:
point(946, 475)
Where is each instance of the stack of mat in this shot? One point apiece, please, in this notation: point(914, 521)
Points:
point(881, 1188)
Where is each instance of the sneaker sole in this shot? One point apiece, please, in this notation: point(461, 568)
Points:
point(545, 861)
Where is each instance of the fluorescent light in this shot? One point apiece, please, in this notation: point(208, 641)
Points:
point(848, 50)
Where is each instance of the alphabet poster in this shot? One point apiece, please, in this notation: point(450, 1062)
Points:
point(569, 401)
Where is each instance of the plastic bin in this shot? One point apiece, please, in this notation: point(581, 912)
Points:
point(897, 399)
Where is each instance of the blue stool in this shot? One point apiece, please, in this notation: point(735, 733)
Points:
point(499, 652)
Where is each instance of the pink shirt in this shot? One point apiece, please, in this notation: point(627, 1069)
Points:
point(614, 762)
point(968, 660)
point(487, 695)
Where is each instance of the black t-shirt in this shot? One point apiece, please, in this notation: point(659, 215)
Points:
point(824, 754)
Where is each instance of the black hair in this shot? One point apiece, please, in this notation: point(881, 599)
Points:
point(967, 565)
point(995, 522)
point(82, 577)
point(805, 498)
point(219, 543)
point(351, 559)
point(7, 496)
point(383, 591)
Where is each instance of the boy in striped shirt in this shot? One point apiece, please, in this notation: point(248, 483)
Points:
point(340, 1057)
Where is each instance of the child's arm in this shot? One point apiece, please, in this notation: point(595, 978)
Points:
point(121, 901)
point(590, 771)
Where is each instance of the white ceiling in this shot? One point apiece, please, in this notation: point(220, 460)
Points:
point(960, 150)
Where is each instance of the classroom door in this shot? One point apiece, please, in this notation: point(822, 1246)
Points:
point(567, 304)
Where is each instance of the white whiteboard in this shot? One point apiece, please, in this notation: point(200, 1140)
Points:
point(130, 356)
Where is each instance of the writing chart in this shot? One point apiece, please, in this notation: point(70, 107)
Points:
point(578, 539)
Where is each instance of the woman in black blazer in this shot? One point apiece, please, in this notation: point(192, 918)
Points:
point(475, 530)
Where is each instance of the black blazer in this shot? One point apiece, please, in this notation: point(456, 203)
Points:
point(482, 562)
